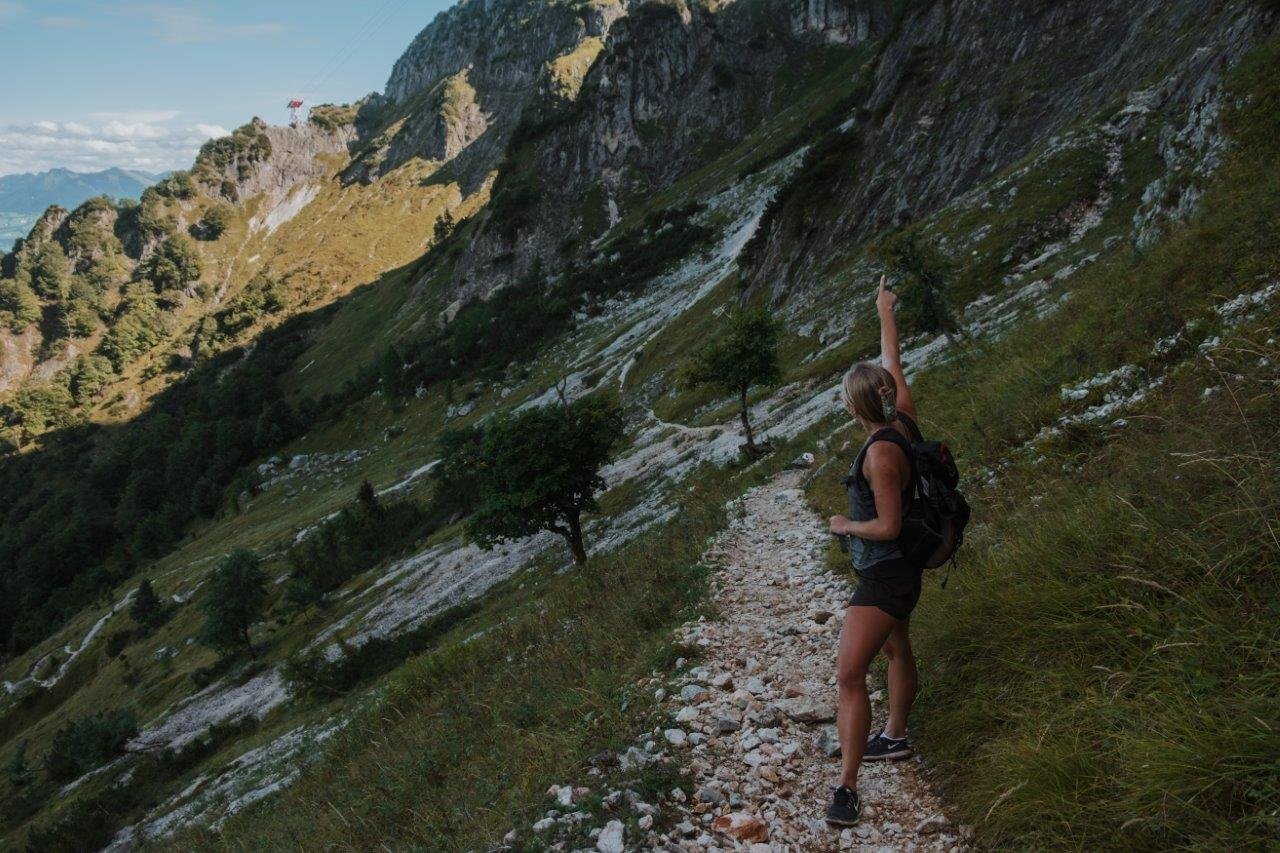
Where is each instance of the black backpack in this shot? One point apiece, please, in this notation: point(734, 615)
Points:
point(934, 519)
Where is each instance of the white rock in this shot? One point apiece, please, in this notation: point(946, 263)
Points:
point(611, 838)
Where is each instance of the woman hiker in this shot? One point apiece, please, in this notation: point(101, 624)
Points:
point(878, 614)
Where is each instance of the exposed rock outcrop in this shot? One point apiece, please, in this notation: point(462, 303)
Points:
point(467, 79)
point(967, 88)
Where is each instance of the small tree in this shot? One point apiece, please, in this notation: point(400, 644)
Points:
point(18, 770)
point(20, 302)
point(147, 609)
point(88, 743)
point(234, 599)
point(444, 227)
point(746, 356)
point(457, 489)
point(925, 277)
point(539, 469)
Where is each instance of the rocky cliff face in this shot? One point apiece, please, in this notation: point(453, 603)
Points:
point(966, 89)
point(956, 92)
point(467, 78)
point(266, 159)
point(673, 86)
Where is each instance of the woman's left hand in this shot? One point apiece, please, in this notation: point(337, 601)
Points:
point(840, 525)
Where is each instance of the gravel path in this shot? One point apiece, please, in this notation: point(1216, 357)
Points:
point(750, 727)
point(753, 721)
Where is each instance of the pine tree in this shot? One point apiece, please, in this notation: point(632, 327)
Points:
point(147, 609)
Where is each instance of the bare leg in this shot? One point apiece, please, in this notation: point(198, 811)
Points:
point(865, 631)
point(903, 679)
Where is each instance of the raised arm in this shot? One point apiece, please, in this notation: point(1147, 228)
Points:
point(889, 351)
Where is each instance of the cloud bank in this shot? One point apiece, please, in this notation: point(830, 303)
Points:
point(148, 140)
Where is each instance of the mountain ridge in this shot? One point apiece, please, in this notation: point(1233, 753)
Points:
point(33, 192)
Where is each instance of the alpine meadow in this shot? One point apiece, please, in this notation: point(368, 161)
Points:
point(450, 470)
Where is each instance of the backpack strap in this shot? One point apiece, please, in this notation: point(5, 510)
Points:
point(892, 436)
point(913, 429)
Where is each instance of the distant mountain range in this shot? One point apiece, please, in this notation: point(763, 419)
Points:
point(32, 193)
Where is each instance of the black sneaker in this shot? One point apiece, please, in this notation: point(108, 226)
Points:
point(881, 748)
point(845, 807)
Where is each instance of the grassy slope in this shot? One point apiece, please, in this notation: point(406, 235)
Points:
point(1102, 672)
point(466, 738)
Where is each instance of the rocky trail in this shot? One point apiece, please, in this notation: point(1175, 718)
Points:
point(751, 725)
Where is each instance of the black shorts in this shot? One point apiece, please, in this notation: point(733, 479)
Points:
point(892, 585)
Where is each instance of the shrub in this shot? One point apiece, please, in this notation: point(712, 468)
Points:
point(456, 489)
point(89, 374)
point(262, 296)
point(215, 222)
point(18, 771)
point(147, 608)
point(89, 743)
point(178, 185)
point(138, 327)
point(925, 280)
point(50, 271)
point(333, 116)
point(40, 406)
point(358, 538)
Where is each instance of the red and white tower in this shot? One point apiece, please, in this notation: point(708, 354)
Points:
point(295, 112)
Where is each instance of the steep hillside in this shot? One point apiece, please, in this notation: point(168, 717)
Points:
point(557, 201)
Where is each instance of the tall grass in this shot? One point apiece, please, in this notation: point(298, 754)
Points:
point(1104, 670)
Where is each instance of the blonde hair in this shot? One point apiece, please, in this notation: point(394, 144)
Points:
point(869, 392)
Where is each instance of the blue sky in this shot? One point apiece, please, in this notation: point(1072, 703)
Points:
point(87, 84)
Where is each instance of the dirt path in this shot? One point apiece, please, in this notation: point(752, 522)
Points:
point(753, 720)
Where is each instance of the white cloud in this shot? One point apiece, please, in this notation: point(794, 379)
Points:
point(212, 131)
point(175, 24)
point(123, 140)
point(138, 130)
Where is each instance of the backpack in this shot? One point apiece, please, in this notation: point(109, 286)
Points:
point(934, 519)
